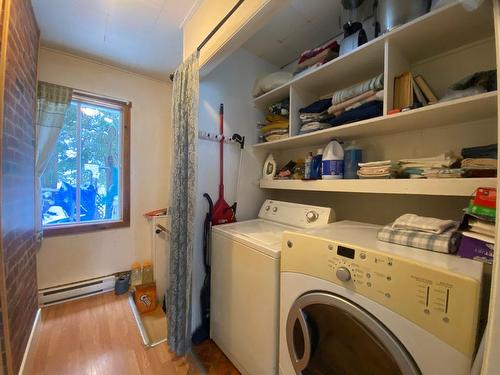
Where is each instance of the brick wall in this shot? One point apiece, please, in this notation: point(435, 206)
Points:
point(17, 180)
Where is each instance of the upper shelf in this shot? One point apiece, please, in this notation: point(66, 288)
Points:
point(472, 108)
point(442, 30)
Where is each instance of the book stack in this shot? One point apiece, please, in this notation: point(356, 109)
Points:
point(478, 227)
point(411, 92)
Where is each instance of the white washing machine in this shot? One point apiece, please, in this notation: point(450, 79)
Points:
point(244, 306)
point(351, 304)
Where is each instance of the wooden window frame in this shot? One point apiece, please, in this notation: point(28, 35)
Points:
point(68, 229)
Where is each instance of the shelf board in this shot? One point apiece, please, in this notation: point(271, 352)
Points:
point(273, 96)
point(444, 187)
point(472, 108)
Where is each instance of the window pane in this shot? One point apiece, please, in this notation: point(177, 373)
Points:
point(59, 180)
point(100, 163)
point(82, 182)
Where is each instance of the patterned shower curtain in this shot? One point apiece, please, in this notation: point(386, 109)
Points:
point(183, 199)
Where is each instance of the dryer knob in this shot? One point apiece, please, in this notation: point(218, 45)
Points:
point(343, 274)
point(311, 216)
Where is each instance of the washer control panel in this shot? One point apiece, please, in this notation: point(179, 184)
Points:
point(443, 303)
point(298, 215)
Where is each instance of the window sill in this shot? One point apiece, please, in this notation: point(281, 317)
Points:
point(69, 229)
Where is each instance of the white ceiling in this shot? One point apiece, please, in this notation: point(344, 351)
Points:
point(305, 24)
point(143, 36)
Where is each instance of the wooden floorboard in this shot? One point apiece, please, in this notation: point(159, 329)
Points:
point(98, 336)
point(212, 360)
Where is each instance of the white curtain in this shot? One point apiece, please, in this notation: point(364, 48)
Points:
point(183, 200)
point(52, 102)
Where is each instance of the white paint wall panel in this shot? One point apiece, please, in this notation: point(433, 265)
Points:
point(66, 259)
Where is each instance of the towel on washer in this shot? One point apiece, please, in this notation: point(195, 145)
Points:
point(446, 242)
point(423, 224)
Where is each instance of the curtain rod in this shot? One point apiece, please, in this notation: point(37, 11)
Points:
point(89, 93)
point(215, 29)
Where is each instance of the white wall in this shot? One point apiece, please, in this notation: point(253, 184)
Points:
point(71, 258)
point(230, 83)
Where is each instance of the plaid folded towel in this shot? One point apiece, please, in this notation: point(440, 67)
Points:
point(446, 242)
point(423, 224)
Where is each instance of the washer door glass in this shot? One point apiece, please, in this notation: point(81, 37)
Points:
point(328, 334)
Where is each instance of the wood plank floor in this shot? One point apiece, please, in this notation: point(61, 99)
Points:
point(98, 335)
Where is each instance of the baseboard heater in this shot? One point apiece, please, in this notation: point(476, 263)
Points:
point(68, 292)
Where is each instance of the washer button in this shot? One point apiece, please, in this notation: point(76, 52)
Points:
point(275, 209)
point(446, 319)
point(368, 275)
point(368, 284)
point(362, 256)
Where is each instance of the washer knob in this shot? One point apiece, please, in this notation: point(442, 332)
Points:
point(311, 216)
point(343, 274)
point(267, 208)
point(275, 209)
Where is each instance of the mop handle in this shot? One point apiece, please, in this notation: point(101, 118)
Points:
point(221, 148)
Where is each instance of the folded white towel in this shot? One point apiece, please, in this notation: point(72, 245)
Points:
point(423, 224)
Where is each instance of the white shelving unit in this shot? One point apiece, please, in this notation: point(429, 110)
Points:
point(444, 187)
point(444, 46)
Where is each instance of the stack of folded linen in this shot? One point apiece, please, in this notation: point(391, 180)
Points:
point(378, 169)
point(480, 161)
point(316, 57)
point(275, 128)
point(440, 166)
point(315, 116)
point(358, 102)
point(422, 232)
point(480, 167)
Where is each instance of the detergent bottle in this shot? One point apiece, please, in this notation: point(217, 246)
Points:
point(333, 161)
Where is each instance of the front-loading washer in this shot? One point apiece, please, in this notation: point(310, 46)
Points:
point(245, 263)
point(351, 304)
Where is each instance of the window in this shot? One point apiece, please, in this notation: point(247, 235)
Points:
point(86, 185)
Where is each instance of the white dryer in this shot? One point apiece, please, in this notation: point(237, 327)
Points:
point(351, 304)
point(244, 308)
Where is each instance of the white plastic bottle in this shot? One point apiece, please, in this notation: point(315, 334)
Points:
point(333, 161)
point(269, 169)
point(307, 166)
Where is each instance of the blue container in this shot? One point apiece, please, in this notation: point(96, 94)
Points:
point(316, 165)
point(352, 156)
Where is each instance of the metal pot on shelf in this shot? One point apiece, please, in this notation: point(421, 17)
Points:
point(393, 13)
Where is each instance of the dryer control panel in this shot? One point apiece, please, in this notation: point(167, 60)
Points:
point(443, 303)
point(298, 215)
